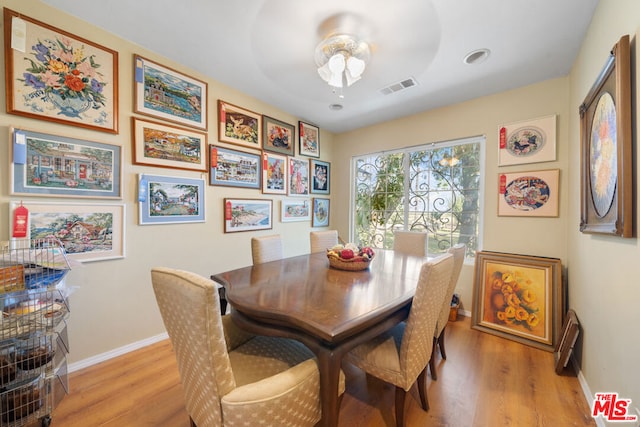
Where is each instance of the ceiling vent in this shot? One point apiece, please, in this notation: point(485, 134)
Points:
point(401, 85)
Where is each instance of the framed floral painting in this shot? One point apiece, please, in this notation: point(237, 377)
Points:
point(606, 135)
point(518, 297)
point(309, 136)
point(57, 76)
point(298, 177)
point(278, 136)
point(167, 94)
point(237, 125)
point(162, 145)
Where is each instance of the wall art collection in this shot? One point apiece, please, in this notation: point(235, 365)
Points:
point(57, 76)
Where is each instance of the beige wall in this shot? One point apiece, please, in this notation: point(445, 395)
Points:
point(531, 236)
point(604, 271)
point(113, 305)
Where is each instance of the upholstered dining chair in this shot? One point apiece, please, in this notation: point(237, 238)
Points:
point(401, 355)
point(266, 248)
point(230, 377)
point(410, 242)
point(458, 251)
point(322, 240)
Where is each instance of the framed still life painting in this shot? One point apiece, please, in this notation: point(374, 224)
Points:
point(530, 193)
point(57, 76)
point(528, 141)
point(606, 178)
point(58, 166)
point(167, 94)
point(88, 232)
point(518, 297)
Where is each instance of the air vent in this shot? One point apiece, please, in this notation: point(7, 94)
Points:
point(404, 84)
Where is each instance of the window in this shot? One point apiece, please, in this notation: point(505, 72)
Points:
point(434, 188)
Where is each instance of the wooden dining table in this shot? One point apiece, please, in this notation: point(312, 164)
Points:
point(331, 311)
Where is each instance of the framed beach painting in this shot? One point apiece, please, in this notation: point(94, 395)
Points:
point(518, 297)
point(170, 200)
point(274, 173)
point(278, 136)
point(237, 125)
point(606, 178)
point(320, 177)
point(57, 166)
point(295, 210)
point(88, 232)
point(309, 137)
point(167, 94)
point(320, 214)
point(57, 76)
point(298, 177)
point(234, 168)
point(162, 145)
point(528, 141)
point(247, 215)
point(530, 193)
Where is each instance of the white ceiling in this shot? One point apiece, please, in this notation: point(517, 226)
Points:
point(265, 48)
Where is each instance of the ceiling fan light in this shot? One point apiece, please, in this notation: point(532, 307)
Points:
point(336, 79)
point(355, 66)
point(325, 72)
point(350, 78)
point(337, 63)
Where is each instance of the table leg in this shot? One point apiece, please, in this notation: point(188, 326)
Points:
point(329, 365)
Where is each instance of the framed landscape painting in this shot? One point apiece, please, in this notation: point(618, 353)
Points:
point(247, 215)
point(240, 126)
point(88, 232)
point(170, 200)
point(170, 95)
point(234, 168)
point(518, 297)
point(309, 136)
point(278, 136)
point(320, 177)
point(161, 145)
point(57, 76)
point(531, 193)
point(57, 166)
point(274, 173)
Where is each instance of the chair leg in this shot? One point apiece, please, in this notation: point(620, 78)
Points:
point(222, 294)
point(191, 423)
point(422, 389)
point(432, 360)
point(400, 397)
point(441, 344)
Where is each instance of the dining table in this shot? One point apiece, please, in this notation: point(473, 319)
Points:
point(329, 310)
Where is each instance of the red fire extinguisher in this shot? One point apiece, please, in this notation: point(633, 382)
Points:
point(20, 221)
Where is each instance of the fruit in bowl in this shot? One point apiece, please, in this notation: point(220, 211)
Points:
point(350, 253)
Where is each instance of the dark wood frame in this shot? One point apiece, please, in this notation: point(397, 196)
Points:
point(312, 176)
point(110, 93)
point(226, 109)
point(570, 331)
point(614, 80)
point(267, 124)
point(483, 292)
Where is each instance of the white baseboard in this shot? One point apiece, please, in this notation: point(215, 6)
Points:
point(586, 390)
point(94, 360)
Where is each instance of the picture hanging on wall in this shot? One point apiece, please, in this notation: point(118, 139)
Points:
point(279, 136)
point(234, 168)
point(320, 215)
point(606, 179)
point(162, 145)
point(529, 141)
point(274, 173)
point(247, 215)
point(298, 177)
point(531, 193)
point(88, 232)
point(518, 297)
point(295, 210)
point(309, 136)
point(170, 200)
point(57, 76)
point(170, 95)
point(239, 126)
point(58, 166)
point(320, 177)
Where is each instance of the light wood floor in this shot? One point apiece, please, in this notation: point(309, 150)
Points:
point(485, 381)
